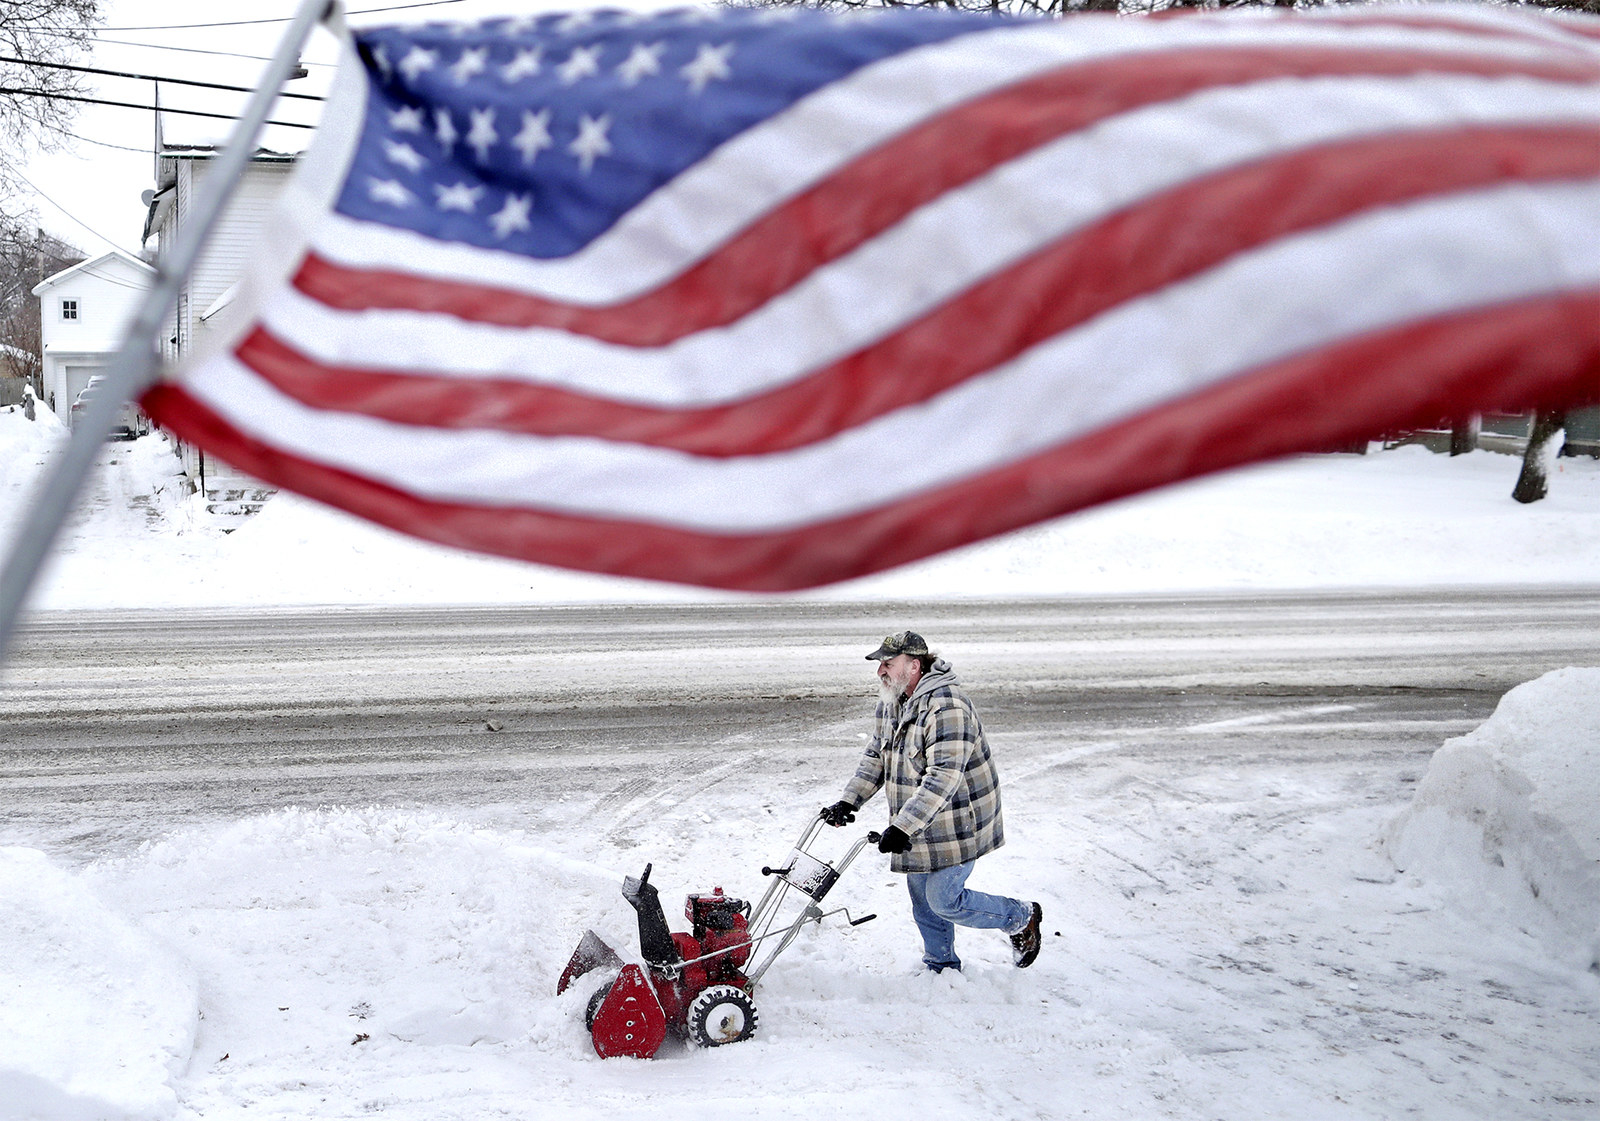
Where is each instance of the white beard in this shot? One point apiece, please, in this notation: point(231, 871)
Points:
point(892, 688)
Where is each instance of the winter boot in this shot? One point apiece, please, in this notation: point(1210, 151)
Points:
point(1025, 942)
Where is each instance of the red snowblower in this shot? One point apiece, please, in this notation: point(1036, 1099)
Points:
point(697, 986)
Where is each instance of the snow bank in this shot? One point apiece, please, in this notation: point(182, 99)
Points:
point(18, 433)
point(96, 1017)
point(25, 448)
point(395, 958)
point(340, 925)
point(1509, 815)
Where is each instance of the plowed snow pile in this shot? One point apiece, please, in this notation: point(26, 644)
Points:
point(1508, 816)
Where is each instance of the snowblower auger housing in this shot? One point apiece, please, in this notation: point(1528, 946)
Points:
point(694, 986)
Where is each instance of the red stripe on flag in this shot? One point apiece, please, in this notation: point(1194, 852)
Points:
point(1163, 240)
point(1511, 357)
point(873, 192)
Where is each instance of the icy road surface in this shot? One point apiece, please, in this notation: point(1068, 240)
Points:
point(121, 725)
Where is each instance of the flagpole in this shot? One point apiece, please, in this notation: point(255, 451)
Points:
point(134, 367)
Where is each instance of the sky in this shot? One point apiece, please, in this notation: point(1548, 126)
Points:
point(1312, 937)
point(89, 194)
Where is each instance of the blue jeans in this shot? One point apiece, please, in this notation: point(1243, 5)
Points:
point(940, 901)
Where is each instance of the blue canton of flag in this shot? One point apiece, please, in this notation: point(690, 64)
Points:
point(535, 135)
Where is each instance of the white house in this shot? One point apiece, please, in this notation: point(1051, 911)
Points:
point(83, 312)
point(181, 172)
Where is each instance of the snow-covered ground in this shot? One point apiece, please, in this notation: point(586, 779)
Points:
point(1299, 944)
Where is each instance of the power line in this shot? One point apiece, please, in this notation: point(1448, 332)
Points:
point(63, 209)
point(200, 50)
point(135, 105)
point(153, 78)
point(104, 143)
point(250, 22)
point(185, 50)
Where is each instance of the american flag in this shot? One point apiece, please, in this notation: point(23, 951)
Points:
point(768, 299)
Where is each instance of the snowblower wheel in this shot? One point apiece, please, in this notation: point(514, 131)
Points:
point(721, 1014)
point(593, 1008)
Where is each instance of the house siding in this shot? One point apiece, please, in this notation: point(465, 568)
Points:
point(221, 262)
point(232, 241)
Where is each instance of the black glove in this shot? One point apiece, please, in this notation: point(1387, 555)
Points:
point(840, 813)
point(894, 839)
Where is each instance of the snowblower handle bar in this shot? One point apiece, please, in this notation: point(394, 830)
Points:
point(871, 839)
point(674, 969)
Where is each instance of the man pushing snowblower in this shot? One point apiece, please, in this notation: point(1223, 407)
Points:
point(944, 798)
point(929, 751)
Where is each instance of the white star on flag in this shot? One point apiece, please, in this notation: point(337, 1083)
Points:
point(513, 216)
point(408, 118)
point(482, 136)
point(642, 63)
point(471, 63)
point(708, 65)
point(584, 62)
point(418, 61)
point(404, 155)
point(390, 191)
point(463, 197)
point(445, 129)
point(524, 65)
point(534, 136)
point(591, 142)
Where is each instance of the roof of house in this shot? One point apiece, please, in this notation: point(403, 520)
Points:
point(84, 266)
point(160, 200)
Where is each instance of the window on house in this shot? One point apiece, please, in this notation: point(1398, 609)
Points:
point(69, 309)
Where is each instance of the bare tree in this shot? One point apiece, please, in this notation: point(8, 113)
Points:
point(27, 256)
point(33, 114)
point(1464, 434)
point(1533, 481)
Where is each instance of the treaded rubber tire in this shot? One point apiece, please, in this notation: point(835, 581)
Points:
point(720, 1015)
point(593, 1008)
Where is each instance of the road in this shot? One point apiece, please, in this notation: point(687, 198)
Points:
point(119, 726)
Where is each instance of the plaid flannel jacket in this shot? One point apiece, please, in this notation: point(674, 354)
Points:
point(930, 754)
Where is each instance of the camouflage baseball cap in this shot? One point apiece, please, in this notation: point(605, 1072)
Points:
point(906, 642)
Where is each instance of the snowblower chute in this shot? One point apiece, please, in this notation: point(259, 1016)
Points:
point(694, 986)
